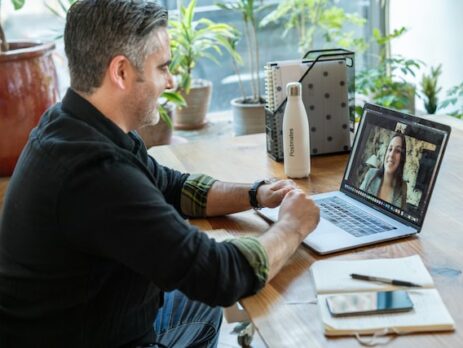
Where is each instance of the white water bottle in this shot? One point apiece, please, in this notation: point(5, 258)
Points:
point(296, 142)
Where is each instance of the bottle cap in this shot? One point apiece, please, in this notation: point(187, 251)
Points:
point(293, 89)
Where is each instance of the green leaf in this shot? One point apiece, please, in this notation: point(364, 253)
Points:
point(192, 40)
point(186, 83)
point(189, 13)
point(18, 4)
point(455, 95)
point(311, 18)
point(165, 116)
point(358, 111)
point(174, 98)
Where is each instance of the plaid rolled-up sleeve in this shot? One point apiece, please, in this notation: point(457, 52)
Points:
point(193, 199)
point(256, 255)
point(193, 203)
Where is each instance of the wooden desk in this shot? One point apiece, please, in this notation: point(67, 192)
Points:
point(280, 311)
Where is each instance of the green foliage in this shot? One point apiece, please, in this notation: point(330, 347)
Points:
point(169, 97)
point(430, 90)
point(386, 84)
point(192, 40)
point(311, 17)
point(18, 4)
point(383, 40)
point(249, 10)
point(455, 96)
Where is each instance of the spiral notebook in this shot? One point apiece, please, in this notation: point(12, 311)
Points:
point(429, 312)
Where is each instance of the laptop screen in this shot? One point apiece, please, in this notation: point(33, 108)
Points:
point(394, 162)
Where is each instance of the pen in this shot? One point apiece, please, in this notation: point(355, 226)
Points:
point(384, 280)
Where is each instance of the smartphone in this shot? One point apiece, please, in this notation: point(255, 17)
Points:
point(363, 303)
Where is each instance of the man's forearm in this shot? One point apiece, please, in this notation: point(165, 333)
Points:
point(280, 242)
point(227, 198)
point(297, 217)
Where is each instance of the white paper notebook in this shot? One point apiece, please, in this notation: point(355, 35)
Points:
point(429, 312)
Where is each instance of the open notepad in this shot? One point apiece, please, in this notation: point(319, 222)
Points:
point(429, 312)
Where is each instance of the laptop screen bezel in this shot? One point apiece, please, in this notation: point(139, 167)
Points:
point(408, 118)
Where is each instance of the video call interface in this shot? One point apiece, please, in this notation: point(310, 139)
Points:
point(394, 164)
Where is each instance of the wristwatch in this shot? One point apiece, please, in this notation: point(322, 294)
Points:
point(253, 193)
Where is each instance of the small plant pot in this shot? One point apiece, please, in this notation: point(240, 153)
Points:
point(193, 116)
point(248, 118)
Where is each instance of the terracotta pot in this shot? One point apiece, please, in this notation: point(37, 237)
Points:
point(248, 118)
point(28, 86)
point(193, 116)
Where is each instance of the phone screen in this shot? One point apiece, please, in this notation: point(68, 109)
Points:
point(369, 303)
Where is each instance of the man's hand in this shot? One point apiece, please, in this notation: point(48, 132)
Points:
point(298, 216)
point(271, 195)
point(300, 210)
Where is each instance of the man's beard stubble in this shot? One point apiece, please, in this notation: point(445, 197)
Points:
point(144, 109)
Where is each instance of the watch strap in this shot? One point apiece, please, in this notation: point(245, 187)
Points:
point(253, 193)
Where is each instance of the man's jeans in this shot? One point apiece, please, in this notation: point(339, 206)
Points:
point(181, 322)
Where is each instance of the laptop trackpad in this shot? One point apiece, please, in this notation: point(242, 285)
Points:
point(327, 236)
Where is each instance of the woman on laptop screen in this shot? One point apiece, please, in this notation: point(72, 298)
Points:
point(387, 182)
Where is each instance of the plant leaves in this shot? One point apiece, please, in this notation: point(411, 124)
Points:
point(192, 40)
point(165, 116)
point(18, 4)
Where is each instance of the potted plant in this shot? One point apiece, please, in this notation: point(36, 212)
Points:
point(192, 40)
point(311, 17)
point(430, 90)
point(386, 84)
point(248, 110)
point(28, 86)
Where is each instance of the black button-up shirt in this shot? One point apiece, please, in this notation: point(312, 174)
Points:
point(92, 233)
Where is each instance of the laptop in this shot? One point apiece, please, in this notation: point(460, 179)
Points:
point(387, 183)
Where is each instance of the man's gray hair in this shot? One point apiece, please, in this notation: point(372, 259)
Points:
point(98, 30)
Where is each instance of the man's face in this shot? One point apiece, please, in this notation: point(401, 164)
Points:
point(152, 82)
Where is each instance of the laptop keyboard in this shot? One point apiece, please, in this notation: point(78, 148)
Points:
point(350, 218)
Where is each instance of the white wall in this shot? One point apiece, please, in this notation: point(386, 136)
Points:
point(435, 36)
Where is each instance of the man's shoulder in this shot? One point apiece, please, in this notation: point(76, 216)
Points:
point(59, 125)
point(69, 140)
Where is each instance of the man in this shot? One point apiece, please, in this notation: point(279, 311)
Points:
point(93, 232)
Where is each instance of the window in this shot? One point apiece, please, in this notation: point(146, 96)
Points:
point(38, 23)
point(272, 45)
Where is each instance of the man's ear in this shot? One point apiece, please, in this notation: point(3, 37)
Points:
point(120, 72)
